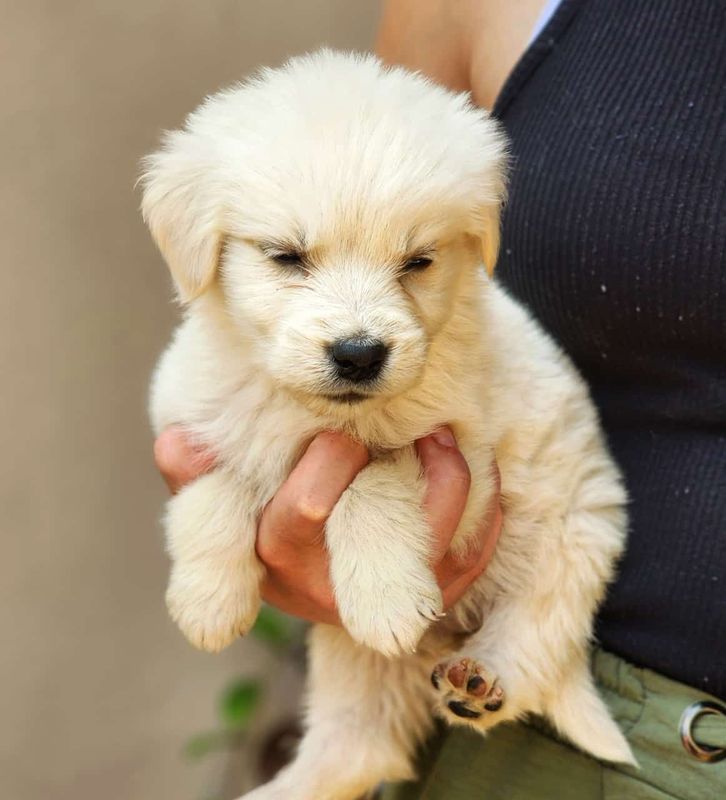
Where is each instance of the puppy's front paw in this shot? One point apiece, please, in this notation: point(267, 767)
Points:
point(466, 690)
point(211, 611)
point(391, 618)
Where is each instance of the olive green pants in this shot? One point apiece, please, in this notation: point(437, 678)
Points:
point(519, 761)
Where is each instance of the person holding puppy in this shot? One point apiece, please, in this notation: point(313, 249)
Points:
point(614, 236)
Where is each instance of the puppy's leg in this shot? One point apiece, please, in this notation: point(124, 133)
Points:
point(531, 653)
point(485, 684)
point(214, 587)
point(499, 673)
point(366, 714)
point(379, 543)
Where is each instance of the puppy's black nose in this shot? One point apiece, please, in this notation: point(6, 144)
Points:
point(358, 360)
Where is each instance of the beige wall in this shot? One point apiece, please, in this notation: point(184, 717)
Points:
point(98, 691)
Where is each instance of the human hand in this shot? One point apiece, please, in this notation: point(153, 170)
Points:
point(290, 536)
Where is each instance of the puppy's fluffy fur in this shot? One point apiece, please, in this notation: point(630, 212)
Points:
point(292, 210)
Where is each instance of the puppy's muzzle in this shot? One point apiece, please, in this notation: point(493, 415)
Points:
point(358, 360)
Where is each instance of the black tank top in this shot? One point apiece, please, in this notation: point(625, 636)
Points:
point(615, 237)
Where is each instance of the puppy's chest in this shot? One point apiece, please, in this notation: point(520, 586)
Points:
point(260, 437)
point(261, 433)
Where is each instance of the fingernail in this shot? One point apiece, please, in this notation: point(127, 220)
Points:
point(444, 437)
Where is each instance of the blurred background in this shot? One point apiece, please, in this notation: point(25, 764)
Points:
point(100, 696)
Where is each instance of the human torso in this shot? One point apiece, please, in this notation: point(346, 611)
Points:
point(615, 237)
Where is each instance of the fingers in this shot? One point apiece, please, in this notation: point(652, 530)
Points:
point(298, 511)
point(458, 575)
point(448, 482)
point(290, 539)
point(178, 460)
point(447, 486)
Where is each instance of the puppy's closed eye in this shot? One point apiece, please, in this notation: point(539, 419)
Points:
point(288, 259)
point(418, 263)
point(285, 255)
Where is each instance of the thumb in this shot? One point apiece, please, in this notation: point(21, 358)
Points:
point(179, 460)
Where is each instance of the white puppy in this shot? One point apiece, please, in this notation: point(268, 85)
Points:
point(325, 224)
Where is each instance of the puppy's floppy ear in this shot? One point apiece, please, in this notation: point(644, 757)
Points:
point(488, 235)
point(183, 212)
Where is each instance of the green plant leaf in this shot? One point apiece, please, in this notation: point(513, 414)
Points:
point(273, 627)
point(204, 743)
point(238, 703)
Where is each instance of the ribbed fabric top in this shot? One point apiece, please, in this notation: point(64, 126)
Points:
point(615, 236)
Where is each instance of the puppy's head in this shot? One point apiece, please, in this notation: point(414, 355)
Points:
point(336, 205)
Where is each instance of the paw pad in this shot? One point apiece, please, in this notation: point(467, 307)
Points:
point(466, 688)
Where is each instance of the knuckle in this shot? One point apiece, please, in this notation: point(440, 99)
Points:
point(271, 548)
point(279, 559)
point(267, 555)
point(309, 509)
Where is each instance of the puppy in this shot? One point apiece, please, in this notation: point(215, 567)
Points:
point(326, 224)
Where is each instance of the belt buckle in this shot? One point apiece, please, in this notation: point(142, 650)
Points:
point(703, 752)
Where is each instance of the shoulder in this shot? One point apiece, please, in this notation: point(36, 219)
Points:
point(466, 45)
point(430, 36)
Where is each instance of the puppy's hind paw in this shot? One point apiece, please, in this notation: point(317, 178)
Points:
point(466, 690)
